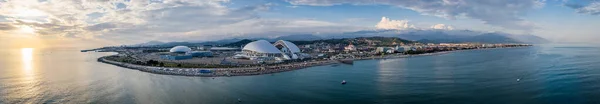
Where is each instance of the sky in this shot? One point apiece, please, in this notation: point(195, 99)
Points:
point(30, 23)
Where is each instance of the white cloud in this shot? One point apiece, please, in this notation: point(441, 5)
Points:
point(442, 27)
point(503, 13)
point(143, 20)
point(269, 27)
point(592, 8)
point(386, 23)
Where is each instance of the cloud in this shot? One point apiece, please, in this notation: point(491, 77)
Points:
point(442, 27)
point(6, 26)
point(52, 27)
point(503, 13)
point(142, 20)
point(270, 27)
point(592, 8)
point(386, 23)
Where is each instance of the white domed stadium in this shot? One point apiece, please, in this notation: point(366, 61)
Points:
point(290, 50)
point(264, 49)
point(180, 49)
point(260, 48)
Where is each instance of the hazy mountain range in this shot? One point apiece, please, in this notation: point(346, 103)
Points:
point(424, 36)
point(448, 36)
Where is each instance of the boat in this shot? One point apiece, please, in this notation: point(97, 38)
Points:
point(343, 81)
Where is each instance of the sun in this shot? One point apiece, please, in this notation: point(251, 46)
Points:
point(27, 29)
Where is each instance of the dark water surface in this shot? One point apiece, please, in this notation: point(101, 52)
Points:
point(547, 73)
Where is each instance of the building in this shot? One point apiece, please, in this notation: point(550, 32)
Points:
point(405, 48)
point(384, 50)
point(206, 47)
point(264, 50)
point(261, 49)
point(400, 49)
point(184, 52)
point(200, 53)
point(349, 48)
point(289, 49)
point(180, 49)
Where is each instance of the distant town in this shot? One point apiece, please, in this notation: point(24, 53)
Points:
point(254, 57)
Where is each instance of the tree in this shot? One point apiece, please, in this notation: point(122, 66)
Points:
point(152, 62)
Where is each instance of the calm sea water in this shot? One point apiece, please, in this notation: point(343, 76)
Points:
point(547, 73)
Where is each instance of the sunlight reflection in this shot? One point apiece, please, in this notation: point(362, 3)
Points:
point(28, 85)
point(27, 58)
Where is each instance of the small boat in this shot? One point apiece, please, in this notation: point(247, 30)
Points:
point(343, 81)
point(518, 80)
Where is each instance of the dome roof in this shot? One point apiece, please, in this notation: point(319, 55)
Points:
point(180, 49)
point(261, 46)
point(291, 46)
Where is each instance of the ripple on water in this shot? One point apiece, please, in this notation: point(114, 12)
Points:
point(551, 75)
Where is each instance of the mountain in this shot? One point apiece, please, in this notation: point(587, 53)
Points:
point(151, 43)
point(532, 39)
point(377, 40)
point(298, 37)
point(238, 43)
point(491, 38)
point(414, 35)
point(446, 36)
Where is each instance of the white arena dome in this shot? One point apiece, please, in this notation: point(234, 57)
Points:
point(180, 49)
point(291, 46)
point(261, 46)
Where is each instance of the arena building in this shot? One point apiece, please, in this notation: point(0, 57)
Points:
point(262, 49)
point(184, 52)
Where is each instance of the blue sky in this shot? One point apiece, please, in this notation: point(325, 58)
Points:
point(135, 21)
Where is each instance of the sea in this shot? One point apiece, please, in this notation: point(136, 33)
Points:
point(546, 73)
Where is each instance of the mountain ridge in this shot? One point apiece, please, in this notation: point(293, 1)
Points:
point(423, 36)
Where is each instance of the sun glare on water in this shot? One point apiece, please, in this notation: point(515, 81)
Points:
point(27, 58)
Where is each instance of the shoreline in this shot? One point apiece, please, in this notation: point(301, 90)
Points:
point(247, 71)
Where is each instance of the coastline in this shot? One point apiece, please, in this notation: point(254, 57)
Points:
point(247, 71)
